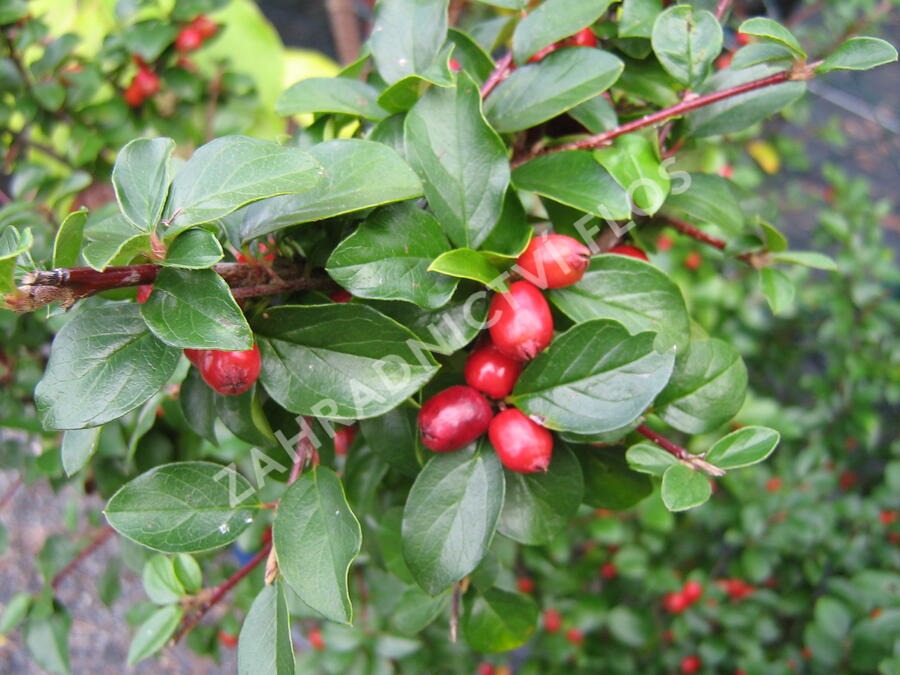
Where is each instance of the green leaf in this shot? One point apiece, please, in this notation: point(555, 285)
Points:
point(12, 244)
point(465, 263)
point(416, 610)
point(264, 645)
point(331, 95)
point(629, 626)
point(188, 571)
point(631, 291)
point(141, 177)
point(194, 249)
point(683, 488)
point(686, 42)
point(710, 199)
point(461, 160)
point(537, 92)
point(576, 179)
point(393, 437)
point(813, 259)
point(550, 22)
point(149, 39)
point(451, 514)
point(637, 17)
point(778, 289)
point(316, 538)
point(608, 481)
point(184, 507)
point(648, 458)
point(244, 417)
point(633, 162)
point(746, 446)
point(358, 175)
point(160, 582)
point(12, 11)
point(387, 258)
point(15, 612)
point(112, 240)
point(596, 114)
point(594, 377)
point(104, 363)
point(403, 95)
point(833, 617)
point(154, 633)
point(78, 446)
point(762, 52)
point(344, 361)
point(768, 29)
point(47, 639)
point(498, 620)
point(232, 171)
point(194, 309)
point(859, 53)
point(538, 506)
point(706, 390)
point(69, 236)
point(470, 55)
point(739, 112)
point(407, 36)
point(197, 401)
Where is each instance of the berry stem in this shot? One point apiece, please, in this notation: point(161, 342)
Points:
point(693, 461)
point(96, 542)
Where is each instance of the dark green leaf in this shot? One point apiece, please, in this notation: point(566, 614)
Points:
point(538, 506)
point(148, 39)
point(358, 175)
point(551, 21)
point(768, 29)
point(461, 160)
point(631, 291)
point(194, 309)
point(104, 363)
point(539, 91)
point(464, 263)
point(195, 249)
point(686, 41)
point(608, 482)
point(112, 241)
point(331, 95)
point(710, 199)
point(451, 514)
point(762, 52)
point(197, 401)
point(634, 164)
point(498, 620)
point(393, 437)
point(78, 446)
point(188, 571)
point(141, 178)
point(183, 507)
point(746, 446)
point(316, 538)
point(154, 633)
point(244, 417)
point(470, 55)
point(264, 645)
point(339, 360)
point(683, 488)
point(416, 610)
point(387, 258)
point(407, 36)
point(859, 53)
point(596, 114)
point(629, 626)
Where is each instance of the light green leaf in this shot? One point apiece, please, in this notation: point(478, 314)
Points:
point(194, 249)
point(264, 645)
point(859, 53)
point(112, 240)
point(160, 582)
point(69, 236)
point(638, 16)
point(141, 178)
point(331, 95)
point(648, 458)
point(813, 259)
point(686, 42)
point(710, 199)
point(768, 29)
point(468, 264)
point(154, 633)
point(47, 639)
point(683, 488)
point(78, 446)
point(762, 52)
point(746, 446)
point(634, 164)
point(778, 289)
point(498, 620)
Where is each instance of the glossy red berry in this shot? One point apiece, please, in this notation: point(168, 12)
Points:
point(632, 251)
point(455, 66)
point(188, 40)
point(541, 53)
point(575, 636)
point(664, 242)
point(196, 356)
point(583, 38)
point(227, 639)
point(147, 81)
point(609, 571)
point(490, 371)
point(341, 296)
point(521, 444)
point(453, 418)
point(693, 260)
point(553, 261)
point(675, 603)
point(525, 584)
point(143, 293)
point(691, 664)
point(315, 639)
point(343, 439)
point(521, 325)
point(692, 591)
point(744, 39)
point(552, 620)
point(133, 96)
point(205, 26)
point(724, 61)
point(847, 480)
point(231, 373)
point(888, 517)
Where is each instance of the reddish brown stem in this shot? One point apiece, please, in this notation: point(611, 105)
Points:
point(344, 29)
point(599, 140)
point(695, 232)
point(221, 590)
point(497, 75)
point(694, 461)
point(722, 8)
point(105, 533)
point(10, 491)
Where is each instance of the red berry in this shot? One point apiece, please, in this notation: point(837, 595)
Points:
point(525, 584)
point(486, 669)
point(583, 38)
point(188, 40)
point(736, 588)
point(315, 639)
point(608, 571)
point(227, 639)
point(143, 293)
point(133, 96)
point(691, 664)
point(553, 261)
point(693, 260)
point(341, 296)
point(343, 439)
point(727, 171)
point(847, 480)
point(575, 636)
point(205, 26)
point(454, 65)
point(541, 53)
point(521, 445)
point(196, 356)
point(231, 373)
point(744, 39)
point(875, 613)
point(675, 603)
point(552, 620)
point(724, 61)
point(888, 517)
point(632, 251)
point(147, 81)
point(521, 325)
point(268, 257)
point(664, 242)
point(453, 418)
point(692, 592)
point(773, 484)
point(491, 372)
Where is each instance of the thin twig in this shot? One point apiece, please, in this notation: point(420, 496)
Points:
point(98, 540)
point(454, 611)
point(344, 29)
point(10, 491)
point(215, 90)
point(755, 259)
point(722, 7)
point(497, 75)
point(695, 462)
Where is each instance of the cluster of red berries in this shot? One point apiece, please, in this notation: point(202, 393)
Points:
point(677, 602)
point(520, 327)
point(143, 85)
point(192, 36)
point(583, 38)
point(737, 589)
